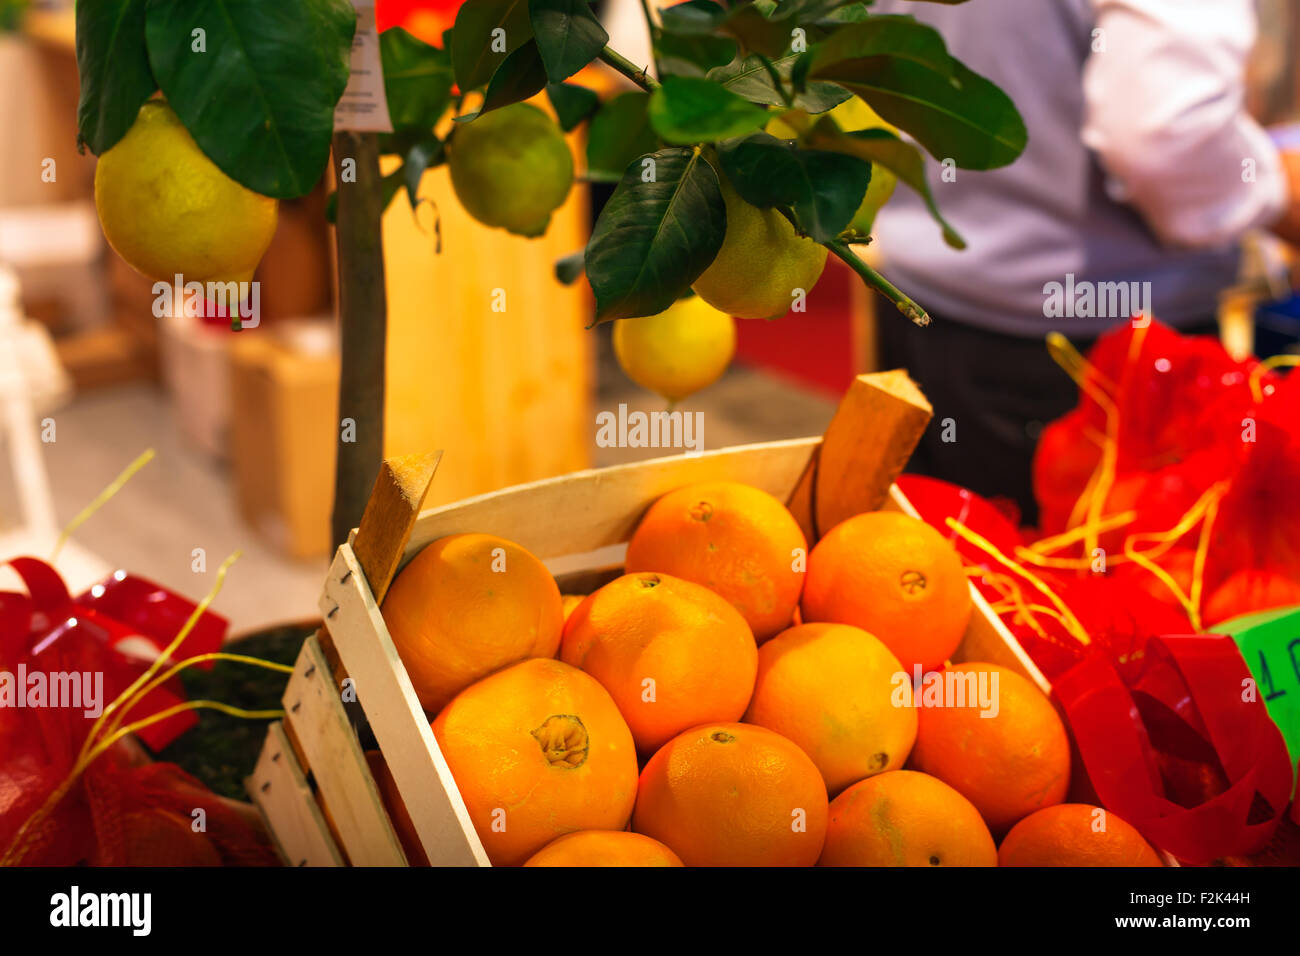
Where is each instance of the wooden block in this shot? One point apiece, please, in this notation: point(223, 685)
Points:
point(293, 818)
point(597, 508)
point(391, 512)
point(314, 710)
point(401, 729)
point(867, 445)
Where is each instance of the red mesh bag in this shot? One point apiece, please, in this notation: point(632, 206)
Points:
point(119, 809)
point(1253, 560)
point(1176, 405)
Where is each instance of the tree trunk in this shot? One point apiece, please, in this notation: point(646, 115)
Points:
point(363, 327)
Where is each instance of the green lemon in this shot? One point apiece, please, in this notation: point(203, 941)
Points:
point(679, 351)
point(168, 210)
point(763, 262)
point(511, 168)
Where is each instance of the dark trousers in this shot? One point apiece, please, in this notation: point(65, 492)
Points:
point(992, 395)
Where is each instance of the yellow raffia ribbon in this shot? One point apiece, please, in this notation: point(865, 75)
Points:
point(1205, 511)
point(1264, 367)
point(100, 499)
point(106, 731)
point(1086, 513)
point(1068, 620)
point(132, 695)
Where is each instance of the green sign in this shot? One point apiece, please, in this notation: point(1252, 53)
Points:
point(1270, 643)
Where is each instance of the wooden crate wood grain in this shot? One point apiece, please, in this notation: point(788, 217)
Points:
point(582, 522)
point(289, 808)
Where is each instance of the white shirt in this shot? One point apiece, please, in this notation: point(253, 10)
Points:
point(1142, 166)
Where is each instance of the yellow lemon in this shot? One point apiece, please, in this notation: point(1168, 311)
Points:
point(762, 265)
point(679, 351)
point(854, 114)
point(511, 168)
point(168, 210)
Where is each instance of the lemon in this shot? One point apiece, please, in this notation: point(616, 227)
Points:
point(761, 264)
point(511, 168)
point(854, 114)
point(679, 351)
point(168, 210)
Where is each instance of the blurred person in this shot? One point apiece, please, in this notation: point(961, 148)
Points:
point(1142, 167)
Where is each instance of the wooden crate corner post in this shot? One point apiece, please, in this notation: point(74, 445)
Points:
point(356, 584)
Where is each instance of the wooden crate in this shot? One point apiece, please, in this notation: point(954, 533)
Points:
point(579, 525)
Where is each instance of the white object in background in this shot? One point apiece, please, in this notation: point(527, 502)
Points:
point(196, 370)
point(29, 367)
point(624, 21)
point(57, 251)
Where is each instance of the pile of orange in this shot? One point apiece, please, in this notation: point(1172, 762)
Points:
point(735, 699)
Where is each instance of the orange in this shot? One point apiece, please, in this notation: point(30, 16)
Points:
point(733, 795)
point(468, 605)
point(1008, 765)
point(538, 750)
point(397, 812)
point(570, 601)
point(604, 848)
point(1075, 834)
point(829, 688)
point(905, 818)
point(732, 538)
point(672, 654)
point(894, 577)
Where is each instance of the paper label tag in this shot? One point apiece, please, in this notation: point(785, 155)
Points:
point(364, 107)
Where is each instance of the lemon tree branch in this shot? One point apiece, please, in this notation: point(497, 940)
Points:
point(622, 64)
point(878, 282)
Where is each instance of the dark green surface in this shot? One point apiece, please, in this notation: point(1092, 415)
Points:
point(222, 750)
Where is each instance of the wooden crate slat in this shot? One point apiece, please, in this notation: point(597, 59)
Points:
point(597, 508)
point(314, 710)
point(280, 790)
point(384, 689)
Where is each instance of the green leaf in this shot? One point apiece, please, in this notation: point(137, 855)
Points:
point(680, 55)
point(113, 64)
point(570, 268)
point(653, 239)
point(691, 110)
point(845, 51)
point(849, 13)
point(572, 103)
point(964, 118)
point(749, 78)
point(881, 146)
point(520, 75)
point(260, 101)
point(417, 79)
point(476, 48)
point(568, 35)
point(422, 154)
point(757, 33)
point(692, 18)
point(823, 188)
point(620, 132)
